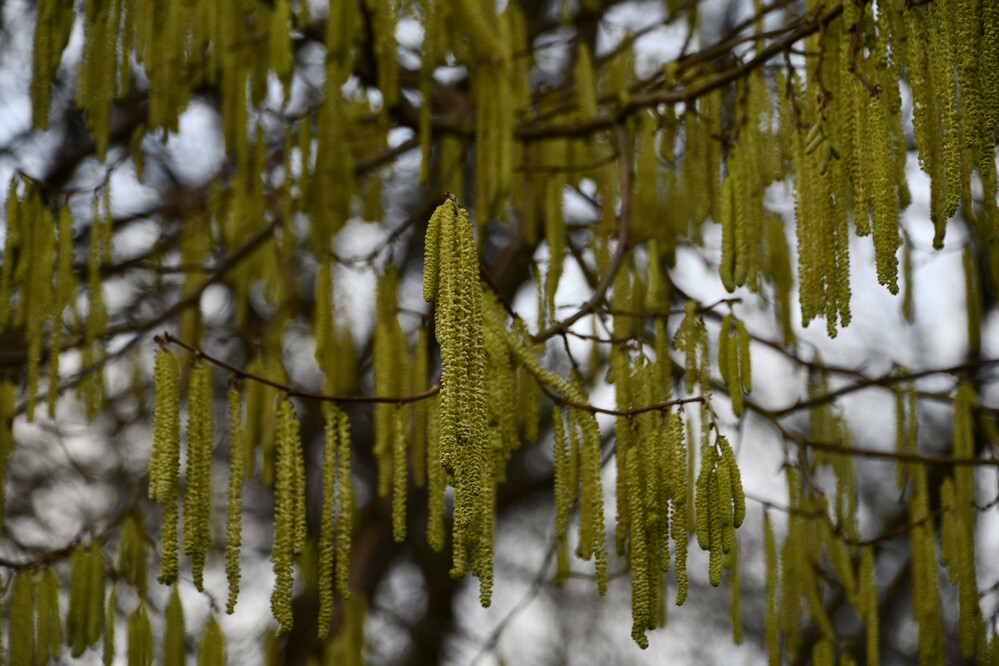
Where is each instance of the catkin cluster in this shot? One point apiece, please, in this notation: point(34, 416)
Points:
point(35, 625)
point(451, 280)
point(734, 360)
point(164, 460)
point(656, 481)
point(720, 504)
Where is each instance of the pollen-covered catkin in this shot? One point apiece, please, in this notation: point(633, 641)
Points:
point(400, 472)
point(284, 516)
point(345, 506)
point(197, 494)
point(460, 332)
point(234, 499)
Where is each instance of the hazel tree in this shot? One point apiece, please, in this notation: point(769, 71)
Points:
point(217, 216)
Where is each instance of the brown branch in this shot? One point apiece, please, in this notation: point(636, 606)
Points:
point(224, 266)
point(530, 133)
point(839, 449)
point(290, 391)
point(885, 381)
point(854, 47)
point(658, 407)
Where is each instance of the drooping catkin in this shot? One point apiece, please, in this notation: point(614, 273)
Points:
point(234, 499)
point(436, 478)
point(211, 649)
point(85, 618)
point(36, 291)
point(63, 297)
point(958, 547)
point(345, 506)
point(592, 542)
point(164, 460)
point(868, 605)
point(132, 552)
point(94, 601)
point(197, 493)
point(284, 515)
point(459, 330)
point(638, 555)
point(678, 511)
point(174, 636)
point(327, 534)
point(400, 473)
point(20, 610)
point(48, 624)
point(141, 648)
point(771, 623)
point(563, 499)
point(421, 371)
point(109, 622)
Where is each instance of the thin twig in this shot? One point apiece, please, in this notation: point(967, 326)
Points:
point(292, 392)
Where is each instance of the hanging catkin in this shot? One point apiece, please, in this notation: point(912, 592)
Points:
point(174, 638)
point(234, 498)
point(197, 494)
point(288, 512)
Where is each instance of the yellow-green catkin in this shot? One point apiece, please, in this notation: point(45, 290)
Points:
point(592, 540)
point(884, 196)
point(48, 641)
point(36, 291)
point(958, 524)
point(85, 618)
point(285, 511)
point(973, 301)
point(20, 610)
point(345, 506)
point(770, 623)
point(436, 478)
point(563, 493)
point(98, 254)
point(197, 493)
point(109, 621)
point(164, 460)
point(677, 481)
point(400, 473)
point(234, 498)
point(211, 649)
point(63, 297)
point(327, 534)
point(459, 330)
point(132, 552)
point(141, 648)
point(638, 556)
point(421, 371)
point(8, 404)
point(174, 636)
point(868, 605)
